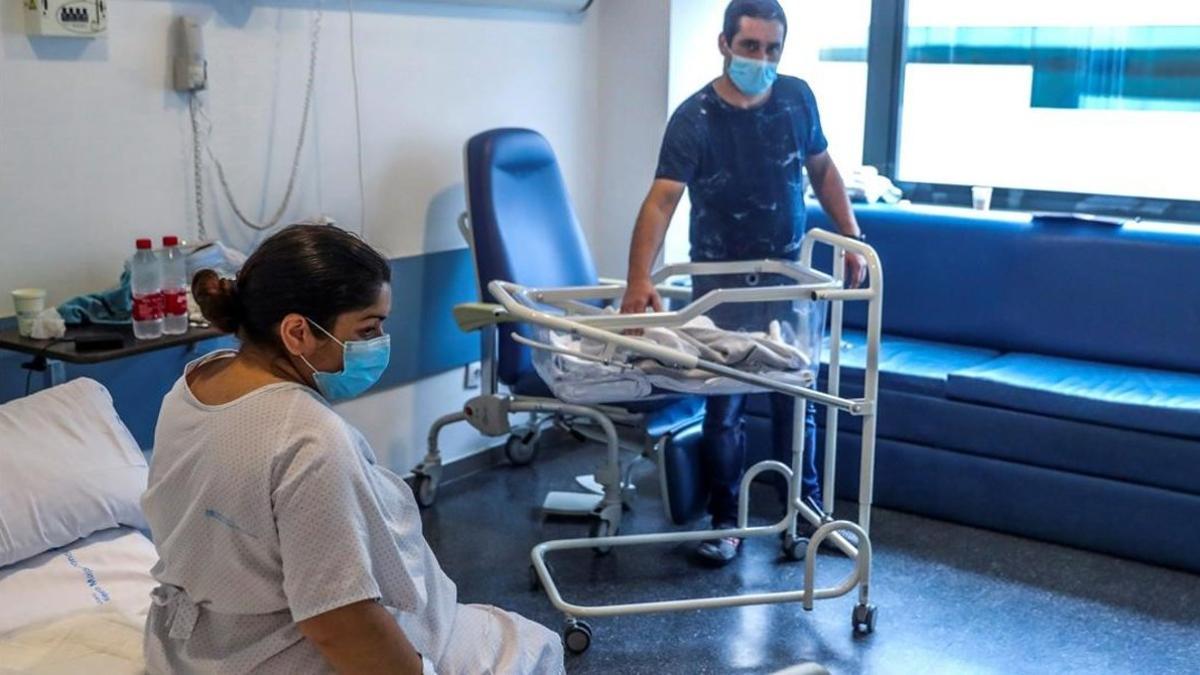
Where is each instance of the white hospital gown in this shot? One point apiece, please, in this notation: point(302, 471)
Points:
point(270, 510)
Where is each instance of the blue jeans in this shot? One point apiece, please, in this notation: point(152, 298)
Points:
point(723, 450)
point(723, 446)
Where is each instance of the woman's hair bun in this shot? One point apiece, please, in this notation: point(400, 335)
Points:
point(218, 300)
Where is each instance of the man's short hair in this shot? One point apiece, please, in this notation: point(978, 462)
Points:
point(768, 10)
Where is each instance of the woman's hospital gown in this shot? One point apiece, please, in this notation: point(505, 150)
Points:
point(270, 510)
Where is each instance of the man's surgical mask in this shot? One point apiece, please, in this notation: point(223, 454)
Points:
point(751, 76)
point(363, 364)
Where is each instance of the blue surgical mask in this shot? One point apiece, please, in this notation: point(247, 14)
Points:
point(363, 363)
point(751, 76)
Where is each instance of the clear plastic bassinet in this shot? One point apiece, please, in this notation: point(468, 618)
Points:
point(758, 317)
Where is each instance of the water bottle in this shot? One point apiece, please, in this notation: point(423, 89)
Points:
point(174, 288)
point(146, 278)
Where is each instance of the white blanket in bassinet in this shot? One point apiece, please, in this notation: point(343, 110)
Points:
point(630, 376)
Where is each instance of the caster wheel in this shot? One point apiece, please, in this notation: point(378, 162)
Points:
point(522, 446)
point(426, 491)
point(863, 619)
point(794, 548)
point(577, 636)
point(601, 528)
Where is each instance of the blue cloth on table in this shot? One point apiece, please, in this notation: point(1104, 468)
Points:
point(111, 307)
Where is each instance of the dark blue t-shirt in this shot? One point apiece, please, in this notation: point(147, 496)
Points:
point(743, 170)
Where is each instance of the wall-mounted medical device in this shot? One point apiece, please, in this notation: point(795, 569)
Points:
point(66, 18)
point(191, 66)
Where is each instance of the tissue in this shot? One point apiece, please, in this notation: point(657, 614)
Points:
point(48, 325)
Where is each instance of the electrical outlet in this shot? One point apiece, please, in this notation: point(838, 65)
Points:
point(472, 375)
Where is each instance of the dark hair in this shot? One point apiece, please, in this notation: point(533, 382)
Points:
point(768, 10)
point(317, 271)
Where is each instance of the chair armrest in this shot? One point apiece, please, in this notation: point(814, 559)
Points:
point(471, 316)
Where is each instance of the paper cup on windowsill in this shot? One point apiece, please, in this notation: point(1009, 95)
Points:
point(981, 198)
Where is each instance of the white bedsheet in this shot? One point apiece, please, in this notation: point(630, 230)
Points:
point(94, 641)
point(108, 572)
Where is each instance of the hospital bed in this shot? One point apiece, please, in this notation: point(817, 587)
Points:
point(81, 608)
point(75, 576)
point(585, 359)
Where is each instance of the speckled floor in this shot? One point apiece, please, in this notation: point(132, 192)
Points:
point(951, 599)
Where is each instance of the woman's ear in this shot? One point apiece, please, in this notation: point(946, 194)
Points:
point(297, 336)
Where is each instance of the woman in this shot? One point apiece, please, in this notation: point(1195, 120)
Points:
point(283, 547)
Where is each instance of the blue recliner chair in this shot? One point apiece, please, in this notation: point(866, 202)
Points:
point(522, 229)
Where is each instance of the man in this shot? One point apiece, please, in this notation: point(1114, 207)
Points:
point(738, 146)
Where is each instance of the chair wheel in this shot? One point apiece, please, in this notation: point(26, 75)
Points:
point(426, 491)
point(794, 548)
point(602, 528)
point(522, 446)
point(863, 619)
point(577, 636)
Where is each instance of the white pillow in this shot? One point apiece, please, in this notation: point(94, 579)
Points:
point(68, 468)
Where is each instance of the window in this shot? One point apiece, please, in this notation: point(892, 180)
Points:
point(1099, 102)
point(826, 46)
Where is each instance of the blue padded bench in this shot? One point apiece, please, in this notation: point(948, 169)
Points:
point(1123, 397)
point(905, 364)
point(1042, 380)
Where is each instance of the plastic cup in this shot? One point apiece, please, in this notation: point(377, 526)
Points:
point(981, 198)
point(29, 302)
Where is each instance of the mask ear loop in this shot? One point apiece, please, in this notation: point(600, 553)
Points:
point(330, 336)
point(310, 366)
point(327, 333)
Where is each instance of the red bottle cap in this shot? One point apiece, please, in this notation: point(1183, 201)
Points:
point(144, 244)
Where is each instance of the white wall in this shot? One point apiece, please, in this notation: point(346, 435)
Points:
point(694, 62)
point(694, 57)
point(654, 54)
point(95, 150)
point(633, 58)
